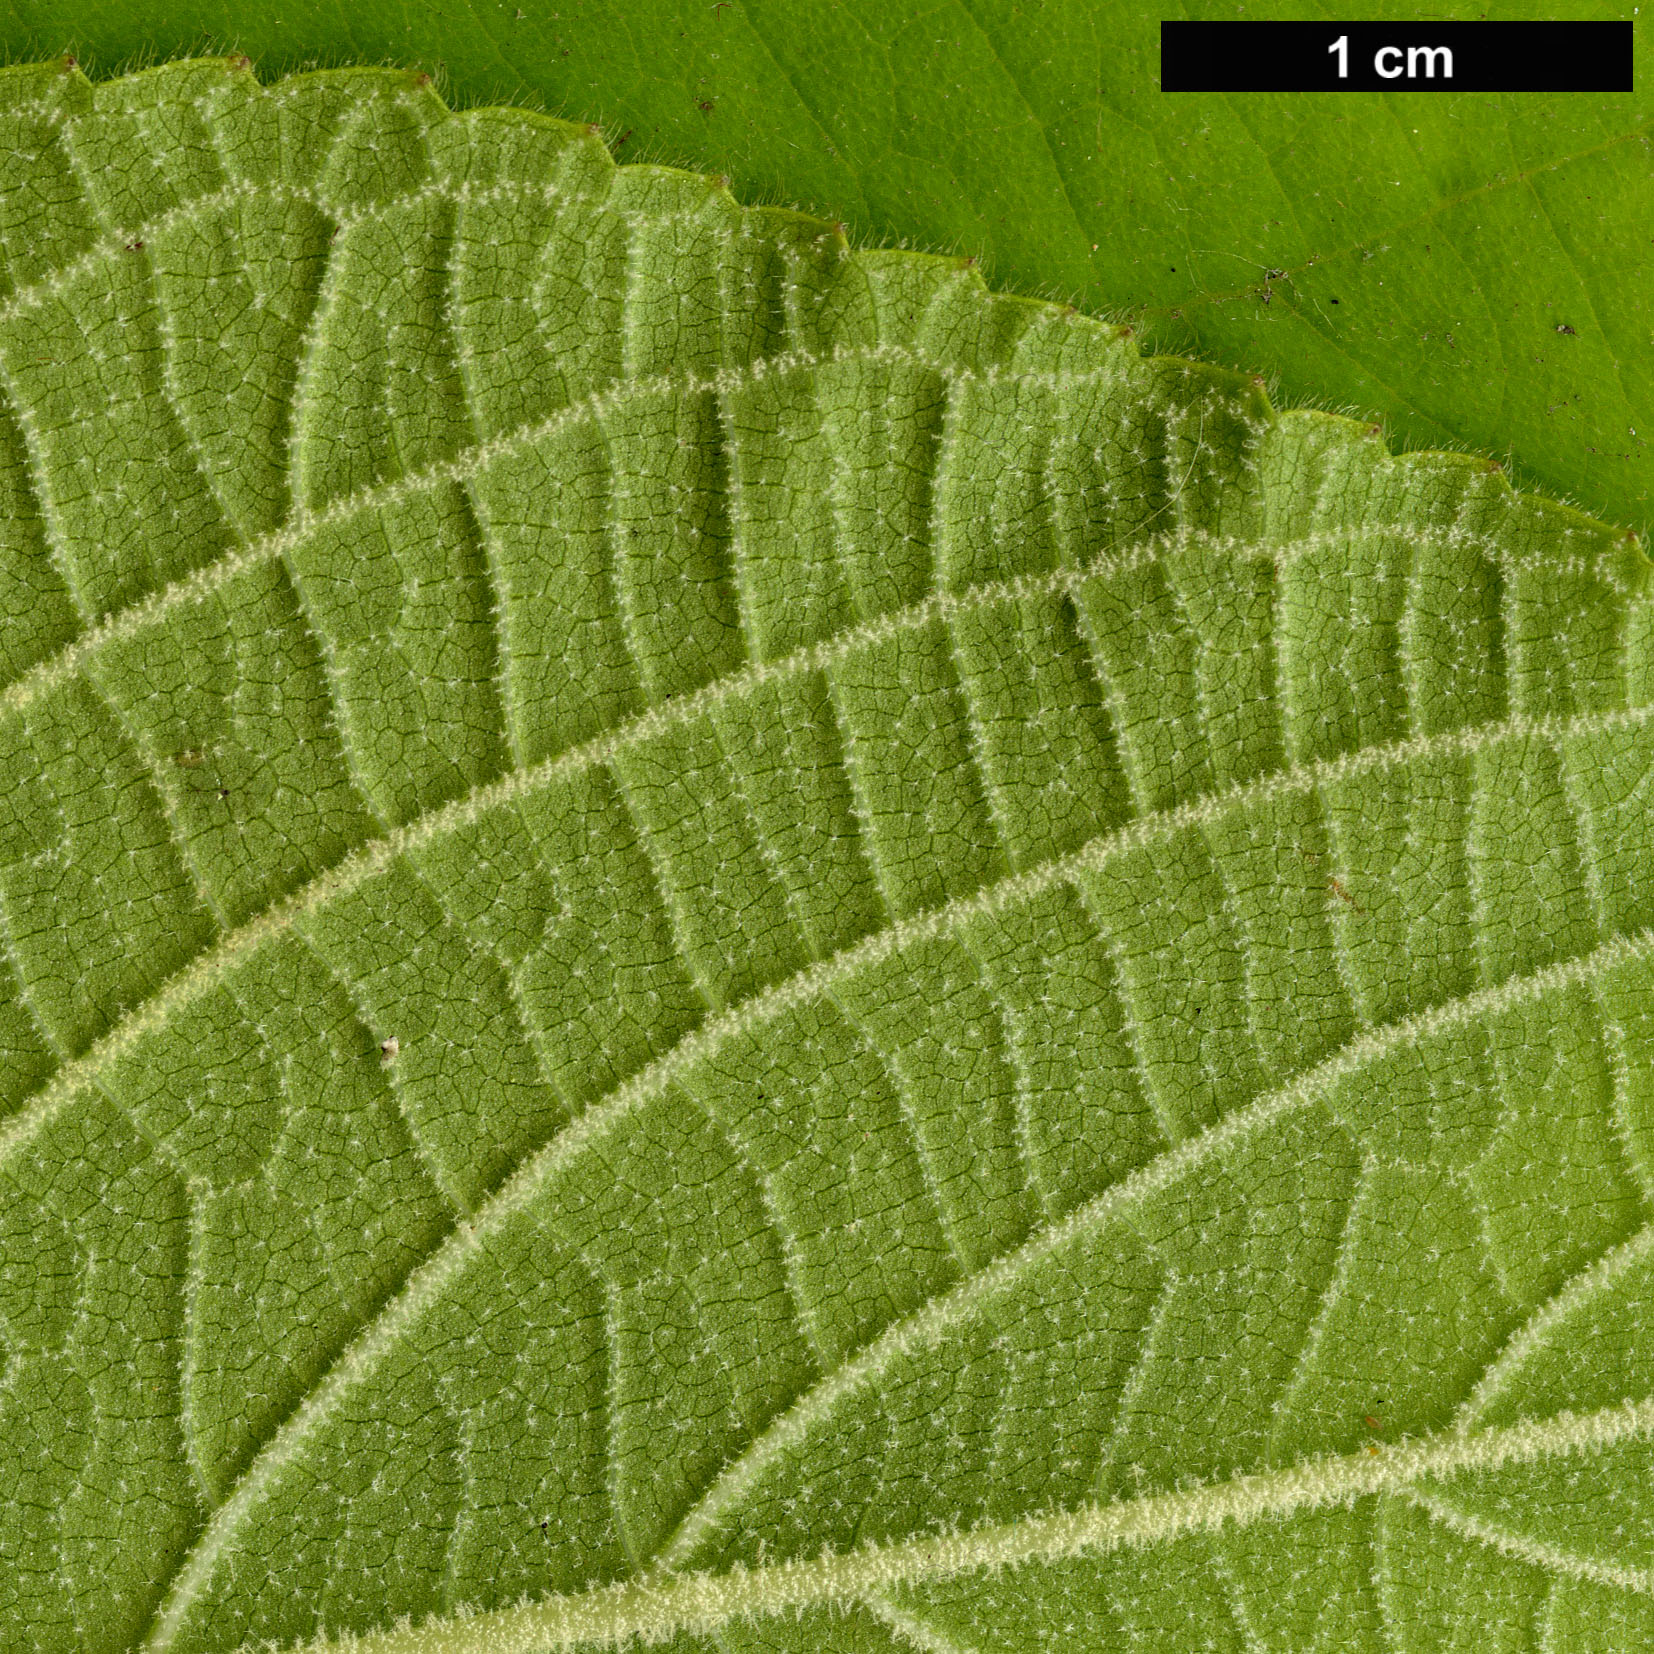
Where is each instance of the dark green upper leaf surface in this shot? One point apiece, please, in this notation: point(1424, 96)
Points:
point(1476, 269)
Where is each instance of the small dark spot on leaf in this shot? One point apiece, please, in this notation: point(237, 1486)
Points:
point(134, 246)
point(1562, 327)
point(388, 1049)
point(705, 105)
point(1335, 301)
point(624, 136)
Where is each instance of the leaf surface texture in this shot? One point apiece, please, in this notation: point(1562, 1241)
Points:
point(712, 938)
point(1469, 267)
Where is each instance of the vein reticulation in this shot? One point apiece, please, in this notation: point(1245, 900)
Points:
point(679, 902)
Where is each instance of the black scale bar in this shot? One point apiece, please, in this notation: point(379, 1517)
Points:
point(1395, 57)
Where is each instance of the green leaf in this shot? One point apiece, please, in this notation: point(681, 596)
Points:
point(711, 938)
point(1468, 267)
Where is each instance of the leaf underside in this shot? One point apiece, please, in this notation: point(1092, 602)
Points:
point(714, 939)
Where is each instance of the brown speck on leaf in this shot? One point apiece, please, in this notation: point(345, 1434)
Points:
point(1337, 888)
point(705, 105)
point(134, 246)
point(624, 136)
point(388, 1049)
point(1562, 327)
point(1371, 1422)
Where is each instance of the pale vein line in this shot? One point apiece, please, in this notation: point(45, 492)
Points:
point(461, 192)
point(465, 467)
point(702, 1604)
point(201, 974)
point(1599, 1276)
point(1554, 1559)
point(426, 1284)
point(114, 242)
point(1315, 1334)
point(909, 1627)
point(377, 854)
point(794, 1425)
